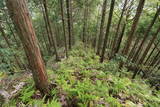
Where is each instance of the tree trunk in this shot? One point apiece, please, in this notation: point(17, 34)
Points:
point(46, 27)
point(107, 30)
point(63, 24)
point(85, 21)
point(101, 27)
point(146, 34)
point(120, 37)
point(155, 59)
point(134, 27)
point(72, 27)
point(133, 48)
point(151, 53)
point(118, 27)
point(50, 30)
point(45, 42)
point(148, 47)
point(69, 22)
point(20, 15)
point(151, 64)
point(96, 34)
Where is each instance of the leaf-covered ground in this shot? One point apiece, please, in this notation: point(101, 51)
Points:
point(81, 81)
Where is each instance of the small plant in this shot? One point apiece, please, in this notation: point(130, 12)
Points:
point(26, 94)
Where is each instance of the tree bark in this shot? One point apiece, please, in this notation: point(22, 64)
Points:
point(107, 30)
point(45, 42)
point(155, 59)
point(146, 34)
point(85, 21)
point(118, 27)
point(148, 47)
point(63, 24)
point(72, 27)
point(133, 48)
point(120, 39)
point(20, 15)
point(52, 37)
point(134, 27)
point(46, 26)
point(101, 26)
point(69, 22)
point(151, 53)
point(95, 41)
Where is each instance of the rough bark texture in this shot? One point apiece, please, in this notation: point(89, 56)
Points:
point(21, 18)
point(101, 26)
point(107, 30)
point(134, 26)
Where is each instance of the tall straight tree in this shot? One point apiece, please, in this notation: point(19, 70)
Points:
point(46, 26)
point(64, 28)
point(135, 46)
point(120, 36)
point(151, 53)
point(72, 27)
point(146, 34)
point(107, 30)
point(52, 36)
point(134, 27)
point(146, 51)
point(148, 47)
point(118, 27)
point(69, 22)
point(20, 16)
point(95, 41)
point(85, 20)
point(101, 26)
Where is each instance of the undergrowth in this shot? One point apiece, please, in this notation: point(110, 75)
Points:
point(84, 82)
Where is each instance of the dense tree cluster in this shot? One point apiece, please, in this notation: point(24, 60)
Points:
point(127, 31)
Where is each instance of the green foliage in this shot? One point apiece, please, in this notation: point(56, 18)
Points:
point(53, 103)
point(5, 64)
point(85, 82)
point(26, 94)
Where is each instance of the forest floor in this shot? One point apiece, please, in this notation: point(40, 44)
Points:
point(81, 81)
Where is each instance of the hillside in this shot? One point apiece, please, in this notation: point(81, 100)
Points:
point(80, 53)
point(81, 81)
